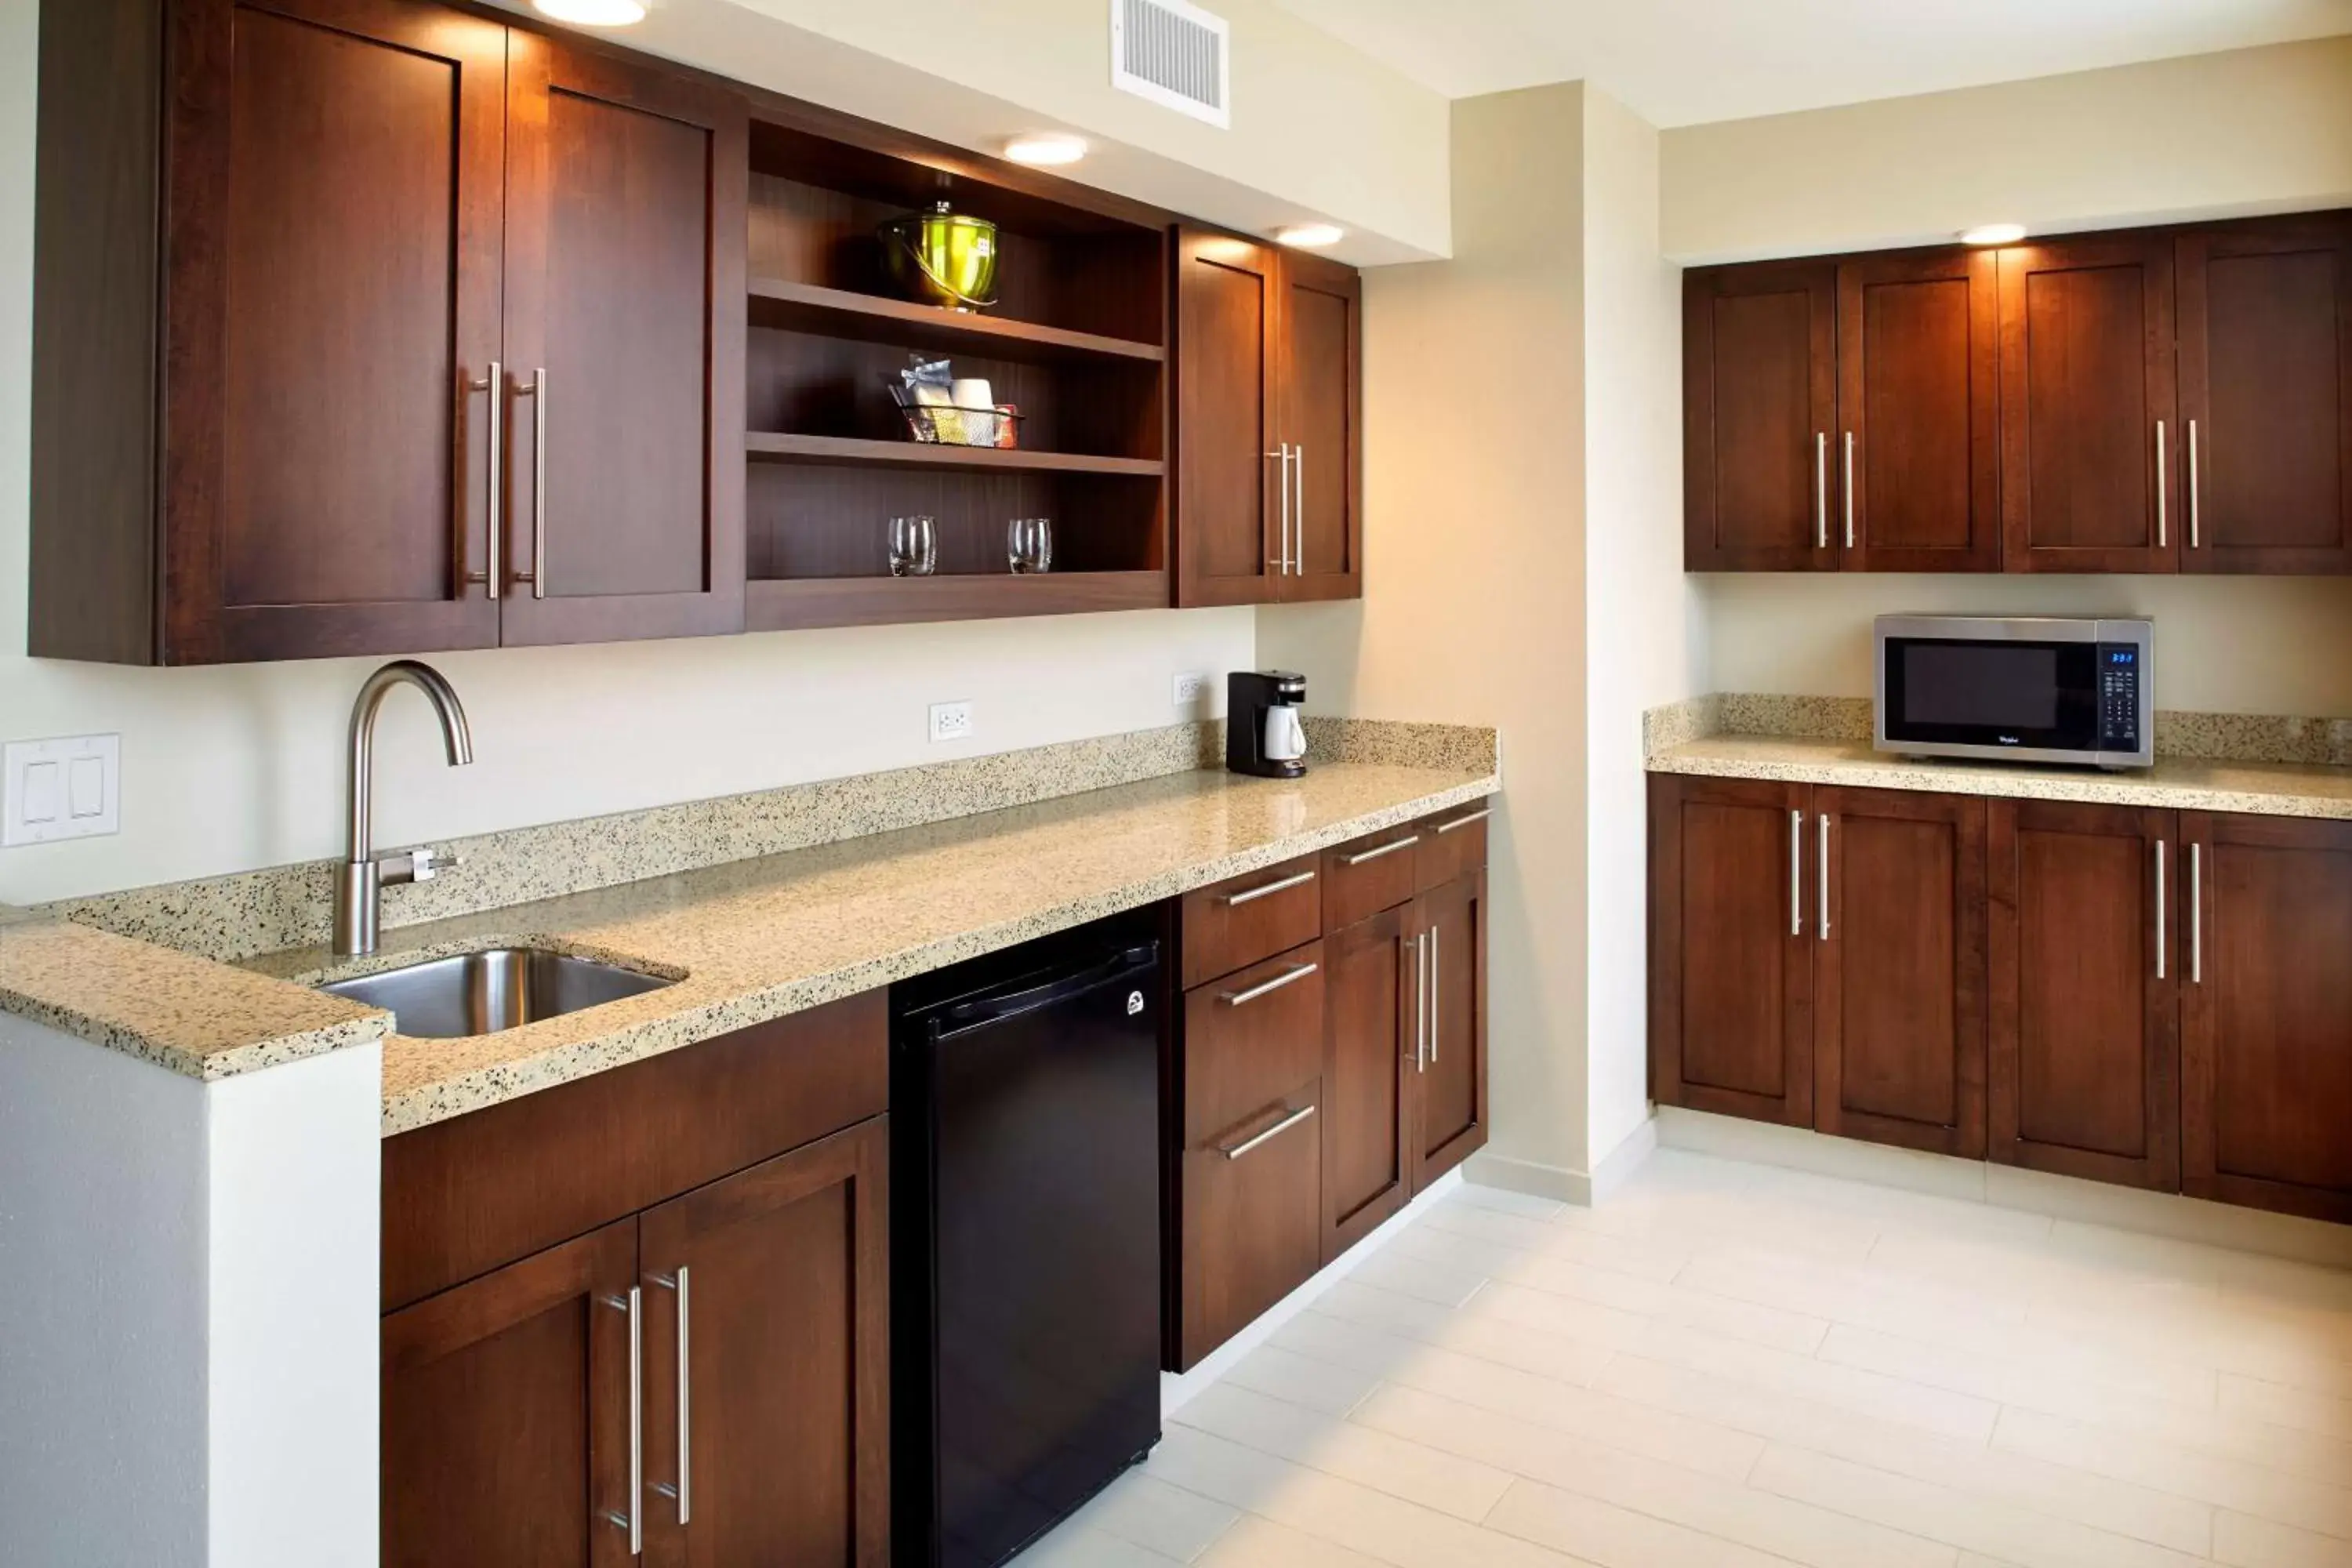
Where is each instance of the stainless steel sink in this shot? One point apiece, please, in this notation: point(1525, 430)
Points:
point(482, 993)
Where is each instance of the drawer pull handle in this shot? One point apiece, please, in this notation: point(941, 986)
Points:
point(1389, 848)
point(1277, 1130)
point(1296, 972)
point(1481, 815)
point(1236, 901)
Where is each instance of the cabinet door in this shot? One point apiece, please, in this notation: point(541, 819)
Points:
point(1899, 971)
point(333, 228)
point(1321, 383)
point(2084, 1024)
point(767, 1336)
point(1731, 960)
point(1450, 1088)
point(2266, 1014)
point(625, 335)
point(2266, 395)
point(1250, 1178)
point(1760, 399)
point(2090, 448)
point(505, 1415)
point(1367, 1060)
point(1228, 487)
point(1918, 441)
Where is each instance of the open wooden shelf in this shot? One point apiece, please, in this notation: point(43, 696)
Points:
point(869, 318)
point(783, 605)
point(767, 446)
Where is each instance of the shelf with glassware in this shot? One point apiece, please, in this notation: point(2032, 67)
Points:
point(936, 353)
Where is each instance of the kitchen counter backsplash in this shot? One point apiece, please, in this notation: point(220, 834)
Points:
point(247, 913)
point(2206, 737)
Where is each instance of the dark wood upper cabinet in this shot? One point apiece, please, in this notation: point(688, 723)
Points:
point(505, 1414)
point(1918, 450)
point(624, 347)
point(1322, 418)
point(1367, 1063)
point(2090, 438)
point(2266, 395)
point(1268, 484)
point(2266, 1014)
point(1731, 962)
point(1899, 969)
point(783, 1272)
point(1760, 403)
point(2083, 1028)
point(1449, 1098)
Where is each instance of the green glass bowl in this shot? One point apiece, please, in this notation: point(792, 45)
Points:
point(944, 257)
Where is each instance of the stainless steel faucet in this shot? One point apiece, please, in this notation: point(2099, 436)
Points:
point(359, 881)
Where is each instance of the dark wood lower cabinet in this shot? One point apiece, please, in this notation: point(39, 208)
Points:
point(1368, 1064)
point(2266, 1014)
point(1449, 1099)
point(505, 1415)
point(783, 1272)
point(2084, 1022)
point(1731, 962)
point(1899, 971)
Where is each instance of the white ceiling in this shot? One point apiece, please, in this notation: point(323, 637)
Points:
point(1682, 62)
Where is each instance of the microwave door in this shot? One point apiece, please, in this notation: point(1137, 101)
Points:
point(2033, 700)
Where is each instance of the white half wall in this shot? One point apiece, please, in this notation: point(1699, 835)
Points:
point(2263, 130)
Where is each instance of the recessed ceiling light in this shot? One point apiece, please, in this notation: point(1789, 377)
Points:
point(1046, 151)
point(593, 13)
point(1311, 236)
point(1993, 234)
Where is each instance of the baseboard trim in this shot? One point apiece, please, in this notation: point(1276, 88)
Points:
point(1177, 1389)
point(2066, 1198)
point(1582, 1188)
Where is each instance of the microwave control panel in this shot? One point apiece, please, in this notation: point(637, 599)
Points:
point(2119, 681)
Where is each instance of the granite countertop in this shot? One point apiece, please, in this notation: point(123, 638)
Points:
point(2180, 784)
point(759, 938)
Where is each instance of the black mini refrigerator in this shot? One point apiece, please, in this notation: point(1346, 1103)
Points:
point(1025, 1251)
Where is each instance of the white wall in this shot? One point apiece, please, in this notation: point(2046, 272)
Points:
point(233, 768)
point(1642, 629)
point(2209, 135)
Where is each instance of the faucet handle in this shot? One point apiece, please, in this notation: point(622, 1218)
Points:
point(418, 865)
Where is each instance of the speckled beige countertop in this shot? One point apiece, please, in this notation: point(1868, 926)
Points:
point(756, 939)
point(2179, 784)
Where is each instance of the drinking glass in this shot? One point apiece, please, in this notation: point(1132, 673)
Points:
point(914, 547)
point(1029, 545)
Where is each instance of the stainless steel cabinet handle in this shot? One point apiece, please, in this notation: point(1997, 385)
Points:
point(2159, 909)
point(537, 393)
point(495, 385)
point(1389, 848)
point(1281, 562)
point(683, 1283)
point(2193, 508)
point(1795, 873)
point(1845, 490)
point(2197, 914)
point(1434, 1030)
point(1277, 1130)
point(1291, 976)
point(2160, 514)
point(633, 1522)
point(1823, 887)
point(1419, 1001)
point(1298, 485)
point(1250, 896)
point(1821, 490)
point(1481, 815)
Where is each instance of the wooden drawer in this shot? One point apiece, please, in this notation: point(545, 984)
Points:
point(1252, 1222)
point(466, 1195)
point(1453, 844)
point(1366, 875)
point(1251, 1038)
point(1250, 918)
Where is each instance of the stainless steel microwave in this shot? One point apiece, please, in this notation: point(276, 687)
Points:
point(2018, 689)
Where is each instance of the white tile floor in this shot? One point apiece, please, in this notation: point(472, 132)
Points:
point(1731, 1363)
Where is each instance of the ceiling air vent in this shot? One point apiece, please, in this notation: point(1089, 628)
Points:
point(1173, 54)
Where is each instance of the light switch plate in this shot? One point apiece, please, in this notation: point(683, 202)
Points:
point(70, 787)
point(950, 721)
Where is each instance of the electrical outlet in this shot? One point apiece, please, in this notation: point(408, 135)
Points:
point(950, 721)
point(1188, 687)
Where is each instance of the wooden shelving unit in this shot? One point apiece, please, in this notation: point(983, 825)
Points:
point(1077, 342)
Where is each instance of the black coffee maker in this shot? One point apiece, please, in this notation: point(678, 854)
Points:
point(1263, 734)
